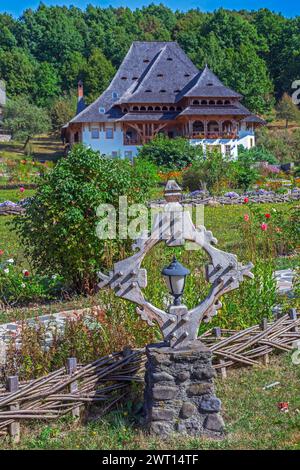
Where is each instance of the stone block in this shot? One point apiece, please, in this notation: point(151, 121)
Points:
point(188, 409)
point(183, 376)
point(210, 404)
point(214, 422)
point(164, 393)
point(203, 373)
point(162, 377)
point(163, 414)
point(201, 388)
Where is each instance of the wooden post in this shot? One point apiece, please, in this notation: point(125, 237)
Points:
point(293, 316)
point(218, 334)
point(71, 369)
point(14, 428)
point(264, 326)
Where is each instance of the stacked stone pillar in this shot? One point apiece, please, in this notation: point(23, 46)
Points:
point(179, 393)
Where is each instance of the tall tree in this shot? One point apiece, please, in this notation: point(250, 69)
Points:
point(287, 110)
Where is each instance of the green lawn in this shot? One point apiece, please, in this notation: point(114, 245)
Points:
point(45, 147)
point(252, 418)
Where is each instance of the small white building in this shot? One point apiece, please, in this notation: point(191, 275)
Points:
point(158, 90)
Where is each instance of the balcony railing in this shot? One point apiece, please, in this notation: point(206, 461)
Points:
point(213, 135)
point(132, 140)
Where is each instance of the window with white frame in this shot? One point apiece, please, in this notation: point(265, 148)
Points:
point(114, 154)
point(109, 133)
point(228, 150)
point(95, 134)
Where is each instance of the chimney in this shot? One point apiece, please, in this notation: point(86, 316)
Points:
point(80, 90)
point(80, 97)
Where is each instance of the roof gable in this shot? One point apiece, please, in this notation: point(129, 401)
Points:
point(207, 85)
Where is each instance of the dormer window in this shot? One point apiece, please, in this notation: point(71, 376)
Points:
point(169, 58)
point(101, 110)
point(146, 61)
point(160, 75)
point(162, 91)
point(209, 84)
point(176, 91)
point(123, 78)
point(148, 91)
point(135, 78)
point(186, 74)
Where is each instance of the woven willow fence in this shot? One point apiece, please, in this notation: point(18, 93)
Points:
point(105, 381)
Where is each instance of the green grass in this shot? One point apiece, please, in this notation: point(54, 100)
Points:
point(252, 419)
point(15, 195)
point(45, 147)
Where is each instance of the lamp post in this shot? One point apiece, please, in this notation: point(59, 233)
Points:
point(175, 276)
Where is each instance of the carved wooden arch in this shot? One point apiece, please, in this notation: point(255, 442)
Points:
point(174, 226)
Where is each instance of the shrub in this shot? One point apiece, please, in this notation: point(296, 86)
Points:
point(19, 286)
point(206, 173)
point(170, 153)
point(58, 229)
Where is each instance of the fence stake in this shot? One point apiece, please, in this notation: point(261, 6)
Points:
point(71, 369)
point(14, 428)
point(218, 333)
point(293, 316)
point(264, 326)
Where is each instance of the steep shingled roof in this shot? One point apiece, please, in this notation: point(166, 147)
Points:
point(168, 72)
point(132, 71)
point(207, 85)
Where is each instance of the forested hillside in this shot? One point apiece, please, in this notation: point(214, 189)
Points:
point(46, 51)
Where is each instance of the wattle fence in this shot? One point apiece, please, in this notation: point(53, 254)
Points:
point(106, 380)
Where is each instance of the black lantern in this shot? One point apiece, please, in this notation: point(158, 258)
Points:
point(175, 275)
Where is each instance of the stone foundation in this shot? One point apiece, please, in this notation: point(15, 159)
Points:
point(179, 393)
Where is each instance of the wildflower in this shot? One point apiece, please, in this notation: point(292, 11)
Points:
point(273, 209)
point(6, 270)
point(10, 261)
point(267, 216)
point(1, 252)
point(246, 217)
point(278, 230)
point(22, 189)
point(26, 273)
point(23, 285)
point(246, 199)
point(264, 227)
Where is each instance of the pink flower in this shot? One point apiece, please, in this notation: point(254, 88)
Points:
point(1, 252)
point(267, 216)
point(264, 227)
point(246, 217)
point(246, 199)
point(22, 189)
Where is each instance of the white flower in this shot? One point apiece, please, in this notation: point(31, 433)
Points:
point(10, 261)
point(23, 285)
point(273, 209)
point(6, 270)
point(54, 276)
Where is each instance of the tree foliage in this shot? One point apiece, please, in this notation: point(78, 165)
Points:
point(25, 120)
point(169, 153)
point(287, 110)
point(47, 50)
point(58, 229)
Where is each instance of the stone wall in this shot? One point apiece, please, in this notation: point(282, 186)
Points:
point(179, 392)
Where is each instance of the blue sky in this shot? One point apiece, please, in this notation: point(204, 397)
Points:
point(288, 7)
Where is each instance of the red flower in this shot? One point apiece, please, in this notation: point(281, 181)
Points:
point(264, 227)
point(267, 216)
point(22, 189)
point(246, 199)
point(26, 273)
point(1, 252)
point(246, 217)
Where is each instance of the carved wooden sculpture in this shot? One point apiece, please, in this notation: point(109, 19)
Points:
point(174, 226)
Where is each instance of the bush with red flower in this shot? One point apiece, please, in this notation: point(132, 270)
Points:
point(19, 286)
point(272, 233)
